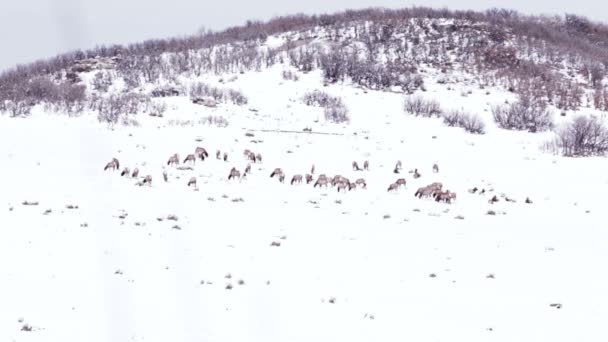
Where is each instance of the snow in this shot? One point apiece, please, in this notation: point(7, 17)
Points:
point(116, 268)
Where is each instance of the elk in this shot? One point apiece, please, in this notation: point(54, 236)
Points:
point(493, 200)
point(148, 180)
point(343, 186)
point(445, 196)
point(282, 178)
point(429, 190)
point(474, 190)
point(225, 156)
point(258, 158)
point(322, 180)
point(234, 173)
point(308, 178)
point(400, 182)
point(366, 165)
point(218, 155)
point(113, 164)
point(361, 182)
point(416, 173)
point(191, 158)
point(135, 173)
point(353, 186)
point(398, 166)
point(296, 179)
point(192, 181)
point(356, 166)
point(277, 172)
point(393, 187)
point(528, 200)
point(126, 172)
point(201, 153)
point(174, 159)
point(248, 169)
point(165, 176)
point(435, 168)
point(312, 169)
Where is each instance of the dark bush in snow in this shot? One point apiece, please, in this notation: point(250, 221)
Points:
point(289, 75)
point(334, 109)
point(523, 115)
point(583, 136)
point(471, 123)
point(202, 90)
point(418, 106)
point(116, 107)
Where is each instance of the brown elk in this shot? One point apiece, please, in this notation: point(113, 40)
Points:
point(366, 165)
point(113, 164)
point(493, 200)
point(225, 156)
point(356, 166)
point(474, 190)
point(393, 187)
point(234, 173)
point(148, 180)
point(248, 169)
point(343, 186)
point(398, 166)
point(528, 200)
point(277, 172)
point(125, 172)
point(218, 155)
point(416, 174)
point(258, 158)
point(361, 182)
point(445, 196)
point(312, 169)
point(308, 178)
point(174, 159)
point(201, 153)
point(429, 190)
point(353, 186)
point(296, 179)
point(191, 158)
point(400, 182)
point(165, 176)
point(192, 181)
point(435, 168)
point(322, 180)
point(135, 173)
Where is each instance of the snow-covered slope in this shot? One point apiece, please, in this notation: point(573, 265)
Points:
point(257, 260)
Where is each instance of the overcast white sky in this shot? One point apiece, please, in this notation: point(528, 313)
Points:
point(34, 29)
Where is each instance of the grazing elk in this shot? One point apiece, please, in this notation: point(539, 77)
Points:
point(113, 164)
point(343, 186)
point(201, 153)
point(435, 168)
point(429, 190)
point(258, 158)
point(248, 169)
point(218, 155)
point(445, 196)
point(296, 179)
point(356, 166)
point(165, 176)
point(398, 166)
point(192, 181)
point(474, 190)
point(528, 200)
point(174, 159)
point(191, 158)
point(493, 200)
point(352, 186)
point(135, 173)
point(393, 187)
point(400, 182)
point(366, 165)
point(321, 181)
point(125, 172)
point(225, 157)
point(148, 180)
point(308, 178)
point(277, 172)
point(361, 182)
point(234, 173)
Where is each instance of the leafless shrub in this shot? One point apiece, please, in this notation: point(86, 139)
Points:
point(336, 113)
point(469, 122)
point(583, 136)
point(212, 120)
point(334, 109)
point(157, 108)
point(200, 89)
point(289, 75)
point(418, 106)
point(523, 115)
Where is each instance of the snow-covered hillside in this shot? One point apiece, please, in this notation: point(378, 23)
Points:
point(87, 255)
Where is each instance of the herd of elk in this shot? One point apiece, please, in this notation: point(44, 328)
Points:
point(341, 183)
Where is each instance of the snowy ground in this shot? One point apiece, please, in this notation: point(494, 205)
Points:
point(361, 266)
